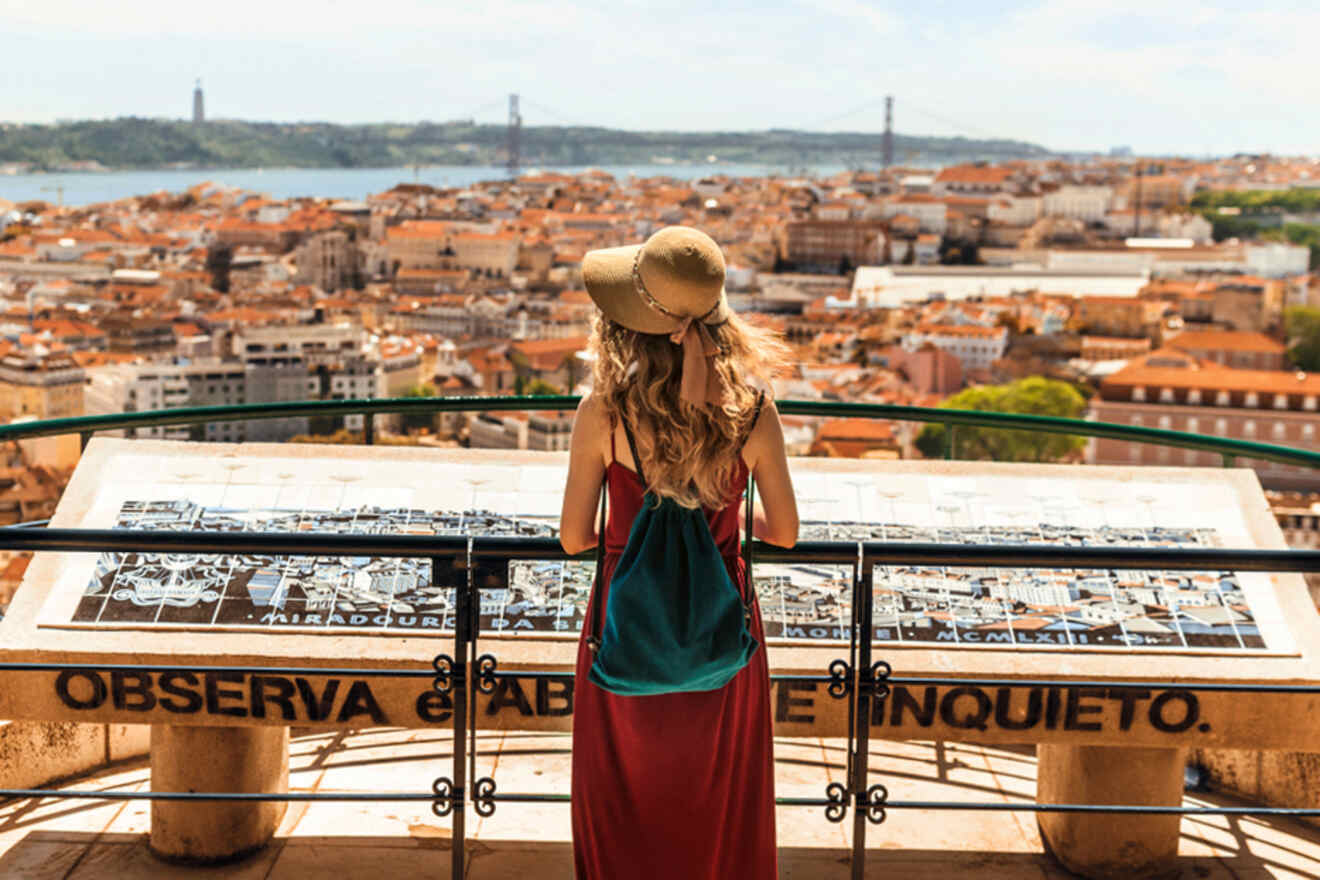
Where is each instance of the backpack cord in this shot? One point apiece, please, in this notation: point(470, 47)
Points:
point(593, 639)
point(749, 584)
point(637, 459)
point(750, 503)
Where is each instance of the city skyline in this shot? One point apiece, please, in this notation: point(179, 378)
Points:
point(1179, 79)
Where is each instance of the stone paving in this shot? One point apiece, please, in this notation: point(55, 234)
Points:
point(53, 840)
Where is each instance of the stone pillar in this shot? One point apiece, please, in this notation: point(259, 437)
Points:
point(1113, 846)
point(247, 759)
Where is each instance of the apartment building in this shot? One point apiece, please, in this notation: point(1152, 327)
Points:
point(550, 360)
point(493, 255)
point(1118, 315)
point(1014, 210)
point(931, 214)
point(418, 244)
point(1246, 350)
point(46, 385)
point(549, 431)
point(278, 364)
point(330, 260)
point(1173, 390)
point(139, 334)
point(116, 388)
point(975, 347)
point(979, 180)
point(1113, 348)
point(438, 244)
point(1086, 203)
point(824, 245)
point(492, 430)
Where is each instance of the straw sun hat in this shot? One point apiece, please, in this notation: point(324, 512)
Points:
point(672, 285)
point(657, 287)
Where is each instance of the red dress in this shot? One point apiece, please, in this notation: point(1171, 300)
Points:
point(674, 786)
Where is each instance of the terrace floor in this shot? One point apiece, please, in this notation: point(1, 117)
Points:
point(55, 839)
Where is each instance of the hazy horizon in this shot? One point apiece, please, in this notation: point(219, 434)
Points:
point(1165, 79)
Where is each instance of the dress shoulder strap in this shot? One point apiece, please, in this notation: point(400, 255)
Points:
point(756, 415)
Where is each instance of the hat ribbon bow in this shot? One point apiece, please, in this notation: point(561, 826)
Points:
point(701, 384)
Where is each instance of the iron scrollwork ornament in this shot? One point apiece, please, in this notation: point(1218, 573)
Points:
point(874, 805)
point(443, 788)
point(838, 802)
point(443, 665)
point(483, 796)
point(840, 679)
point(880, 672)
point(486, 673)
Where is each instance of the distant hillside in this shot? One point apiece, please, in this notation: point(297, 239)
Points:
point(155, 143)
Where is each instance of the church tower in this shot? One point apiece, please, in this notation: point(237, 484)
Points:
point(199, 114)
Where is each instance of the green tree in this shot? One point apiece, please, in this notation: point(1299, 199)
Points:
point(541, 388)
point(418, 419)
point(1302, 324)
point(1034, 395)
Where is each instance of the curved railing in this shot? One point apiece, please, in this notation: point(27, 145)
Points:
point(1229, 448)
point(863, 682)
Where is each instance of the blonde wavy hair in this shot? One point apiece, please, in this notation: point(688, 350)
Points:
point(688, 453)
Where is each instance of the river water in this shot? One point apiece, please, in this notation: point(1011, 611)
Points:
point(340, 183)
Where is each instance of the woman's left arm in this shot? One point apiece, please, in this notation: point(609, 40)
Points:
point(586, 472)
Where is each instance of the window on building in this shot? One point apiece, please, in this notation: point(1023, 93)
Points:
point(1136, 420)
point(1194, 396)
point(1222, 398)
point(1138, 393)
point(1280, 432)
point(1308, 432)
point(1165, 423)
point(1221, 427)
point(1249, 428)
point(1194, 425)
point(1253, 399)
point(1308, 402)
point(1189, 456)
point(1166, 395)
point(1280, 401)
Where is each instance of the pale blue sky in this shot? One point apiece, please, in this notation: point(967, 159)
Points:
point(1160, 75)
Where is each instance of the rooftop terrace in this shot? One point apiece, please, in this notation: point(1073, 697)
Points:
point(50, 840)
point(1131, 698)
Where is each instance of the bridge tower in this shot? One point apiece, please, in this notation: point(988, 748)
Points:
point(889, 131)
point(514, 137)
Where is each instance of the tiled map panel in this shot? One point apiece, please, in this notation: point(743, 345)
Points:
point(183, 487)
point(929, 604)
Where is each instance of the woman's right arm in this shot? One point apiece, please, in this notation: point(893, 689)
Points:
point(765, 455)
point(586, 472)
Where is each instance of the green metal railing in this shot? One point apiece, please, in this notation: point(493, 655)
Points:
point(461, 676)
point(1230, 448)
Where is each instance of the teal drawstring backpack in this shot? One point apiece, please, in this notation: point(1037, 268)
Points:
point(674, 620)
